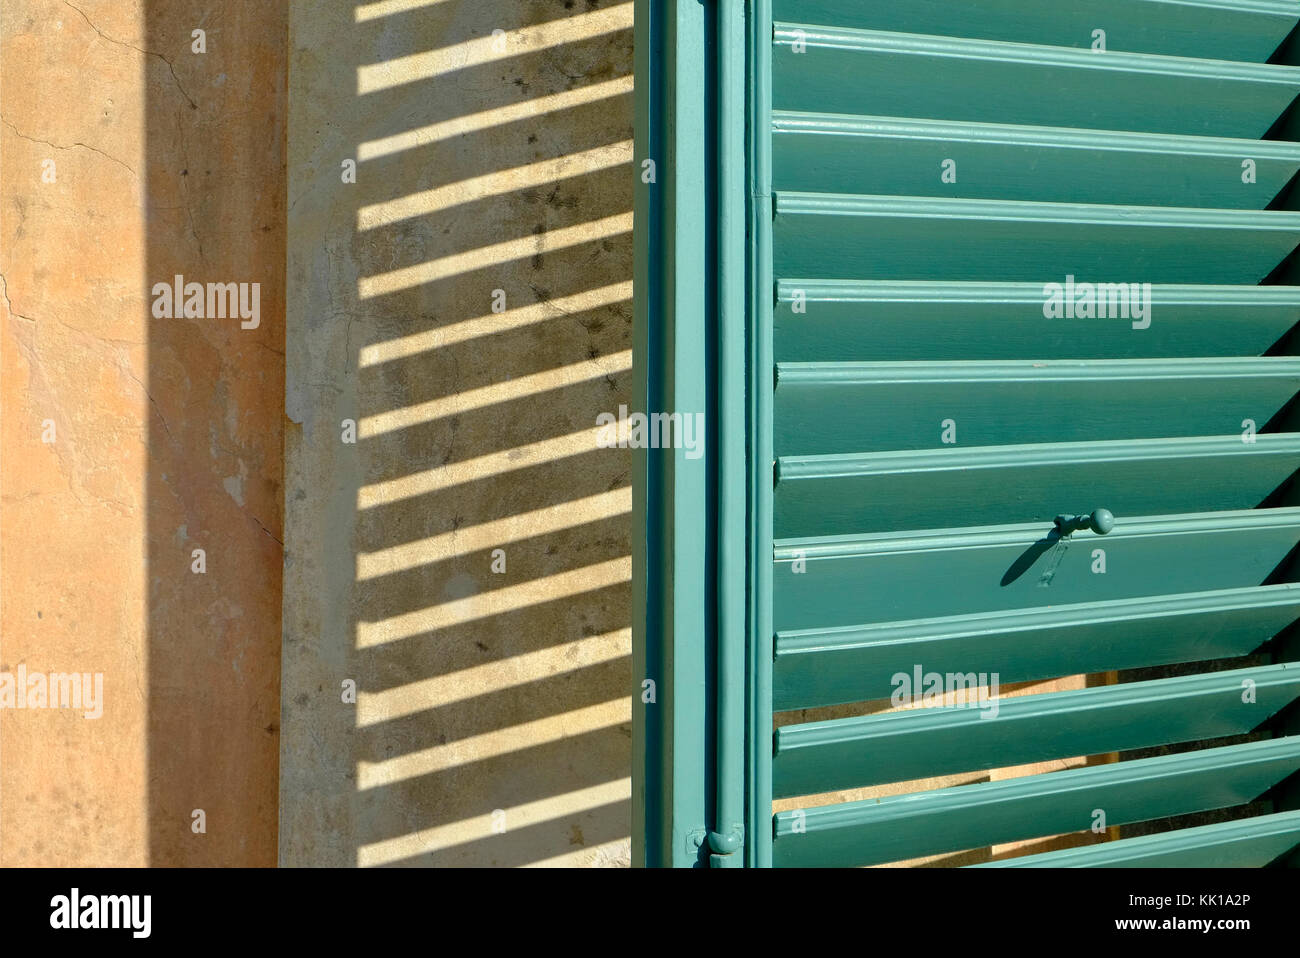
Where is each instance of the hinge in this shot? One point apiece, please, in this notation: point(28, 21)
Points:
point(727, 843)
point(695, 839)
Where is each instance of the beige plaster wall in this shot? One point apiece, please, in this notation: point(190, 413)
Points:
point(491, 719)
point(466, 302)
point(125, 158)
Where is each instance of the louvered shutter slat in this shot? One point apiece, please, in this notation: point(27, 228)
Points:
point(1231, 29)
point(896, 406)
point(834, 665)
point(859, 579)
point(1252, 843)
point(843, 236)
point(837, 154)
point(840, 320)
point(900, 746)
point(967, 816)
point(949, 78)
point(934, 488)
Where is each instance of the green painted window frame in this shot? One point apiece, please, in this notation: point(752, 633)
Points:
point(701, 782)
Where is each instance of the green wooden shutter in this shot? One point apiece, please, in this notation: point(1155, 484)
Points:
point(846, 254)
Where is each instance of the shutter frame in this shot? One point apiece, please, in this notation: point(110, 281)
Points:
point(790, 265)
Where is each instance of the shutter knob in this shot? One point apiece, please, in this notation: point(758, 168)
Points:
point(1101, 521)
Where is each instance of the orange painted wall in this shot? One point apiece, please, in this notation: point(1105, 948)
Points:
point(167, 433)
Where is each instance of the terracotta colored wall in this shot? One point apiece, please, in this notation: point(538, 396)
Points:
point(493, 143)
point(168, 432)
point(492, 724)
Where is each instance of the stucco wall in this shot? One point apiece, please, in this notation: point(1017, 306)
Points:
point(467, 303)
point(166, 433)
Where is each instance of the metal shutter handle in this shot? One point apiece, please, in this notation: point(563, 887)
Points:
point(1101, 521)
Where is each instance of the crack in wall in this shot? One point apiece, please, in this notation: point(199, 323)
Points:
point(85, 146)
point(4, 288)
point(131, 46)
